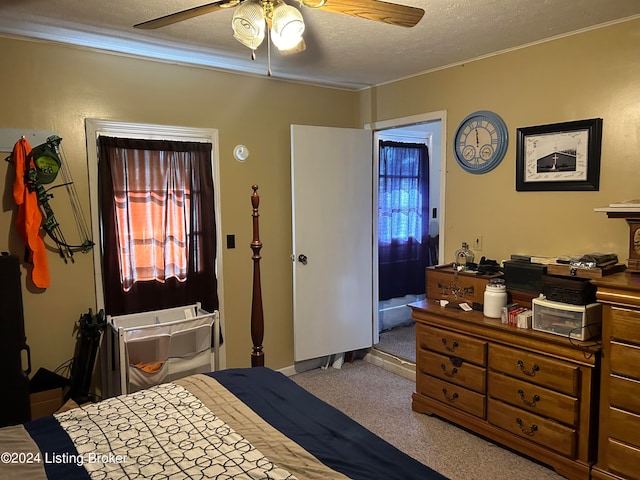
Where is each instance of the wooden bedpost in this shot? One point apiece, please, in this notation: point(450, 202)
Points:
point(257, 316)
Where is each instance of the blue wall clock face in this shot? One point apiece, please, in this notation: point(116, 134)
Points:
point(480, 142)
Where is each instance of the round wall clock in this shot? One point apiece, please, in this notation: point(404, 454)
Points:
point(480, 142)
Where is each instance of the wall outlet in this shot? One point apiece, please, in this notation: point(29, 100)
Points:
point(477, 243)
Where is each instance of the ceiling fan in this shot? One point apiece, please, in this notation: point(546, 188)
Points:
point(284, 23)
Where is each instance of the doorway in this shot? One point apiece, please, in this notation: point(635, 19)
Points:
point(307, 143)
point(395, 328)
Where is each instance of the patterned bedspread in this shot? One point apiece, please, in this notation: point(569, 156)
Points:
point(205, 426)
point(164, 431)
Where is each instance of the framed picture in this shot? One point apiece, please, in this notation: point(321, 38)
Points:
point(559, 156)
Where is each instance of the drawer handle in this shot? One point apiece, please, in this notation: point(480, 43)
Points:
point(532, 372)
point(532, 402)
point(453, 346)
point(452, 398)
point(529, 431)
point(453, 371)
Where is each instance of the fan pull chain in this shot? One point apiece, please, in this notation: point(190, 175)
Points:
point(269, 52)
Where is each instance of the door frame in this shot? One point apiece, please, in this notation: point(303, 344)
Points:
point(376, 127)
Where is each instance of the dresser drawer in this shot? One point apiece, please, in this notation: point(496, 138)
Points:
point(623, 459)
point(625, 325)
point(536, 399)
point(544, 432)
point(535, 368)
point(624, 393)
point(625, 359)
point(452, 369)
point(451, 343)
point(624, 426)
point(453, 395)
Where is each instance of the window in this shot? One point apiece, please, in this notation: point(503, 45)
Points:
point(403, 230)
point(400, 200)
point(157, 207)
point(159, 242)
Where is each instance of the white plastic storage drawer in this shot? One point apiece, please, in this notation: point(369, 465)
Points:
point(162, 345)
point(581, 322)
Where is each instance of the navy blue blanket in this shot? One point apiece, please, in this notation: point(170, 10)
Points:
point(322, 430)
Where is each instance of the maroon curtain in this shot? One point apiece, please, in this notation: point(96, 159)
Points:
point(144, 165)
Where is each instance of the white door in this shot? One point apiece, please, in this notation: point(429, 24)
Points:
point(331, 176)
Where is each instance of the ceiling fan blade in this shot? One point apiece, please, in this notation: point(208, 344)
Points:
point(376, 10)
point(186, 14)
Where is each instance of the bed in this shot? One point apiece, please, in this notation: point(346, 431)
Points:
point(242, 423)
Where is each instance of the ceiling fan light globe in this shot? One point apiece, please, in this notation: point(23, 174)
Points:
point(283, 43)
point(249, 24)
point(253, 42)
point(287, 26)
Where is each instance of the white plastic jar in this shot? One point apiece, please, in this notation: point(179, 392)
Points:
point(495, 297)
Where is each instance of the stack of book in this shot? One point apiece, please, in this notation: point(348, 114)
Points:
point(516, 315)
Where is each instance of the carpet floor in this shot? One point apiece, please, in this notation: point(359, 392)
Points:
point(381, 401)
point(399, 341)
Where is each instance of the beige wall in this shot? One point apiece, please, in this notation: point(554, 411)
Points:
point(49, 87)
point(594, 74)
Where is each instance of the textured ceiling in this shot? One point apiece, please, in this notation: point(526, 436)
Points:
point(341, 51)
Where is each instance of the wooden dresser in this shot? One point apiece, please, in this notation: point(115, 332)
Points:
point(619, 438)
point(531, 391)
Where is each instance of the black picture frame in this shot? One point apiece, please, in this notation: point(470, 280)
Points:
point(559, 156)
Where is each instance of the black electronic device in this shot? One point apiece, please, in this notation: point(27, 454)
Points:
point(14, 401)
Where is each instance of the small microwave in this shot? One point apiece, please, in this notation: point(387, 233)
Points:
point(580, 322)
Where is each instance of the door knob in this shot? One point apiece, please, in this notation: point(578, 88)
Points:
point(302, 259)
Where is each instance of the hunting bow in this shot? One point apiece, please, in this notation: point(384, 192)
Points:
point(50, 223)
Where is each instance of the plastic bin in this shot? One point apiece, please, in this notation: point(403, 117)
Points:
point(582, 322)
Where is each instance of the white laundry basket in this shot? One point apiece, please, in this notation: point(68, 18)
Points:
point(153, 347)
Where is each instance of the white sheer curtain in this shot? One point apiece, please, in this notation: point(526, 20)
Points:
point(403, 218)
